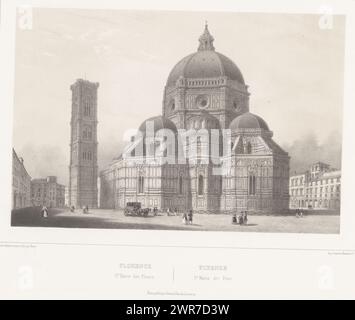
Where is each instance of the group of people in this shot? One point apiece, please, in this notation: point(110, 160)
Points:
point(240, 219)
point(299, 213)
point(170, 212)
point(187, 217)
point(155, 211)
point(85, 209)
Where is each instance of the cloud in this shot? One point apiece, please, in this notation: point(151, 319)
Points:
point(108, 150)
point(307, 150)
point(45, 160)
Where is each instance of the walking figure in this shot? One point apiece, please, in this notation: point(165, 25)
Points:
point(190, 216)
point(245, 217)
point(184, 218)
point(241, 218)
point(297, 213)
point(234, 218)
point(44, 212)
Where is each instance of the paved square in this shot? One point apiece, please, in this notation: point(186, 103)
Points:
point(110, 219)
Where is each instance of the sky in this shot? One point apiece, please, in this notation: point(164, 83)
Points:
point(293, 67)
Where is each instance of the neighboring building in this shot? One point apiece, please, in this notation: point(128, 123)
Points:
point(204, 91)
point(83, 175)
point(318, 188)
point(47, 192)
point(21, 183)
point(66, 201)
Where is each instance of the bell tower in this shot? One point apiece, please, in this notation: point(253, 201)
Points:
point(83, 169)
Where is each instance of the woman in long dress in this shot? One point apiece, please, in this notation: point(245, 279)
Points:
point(184, 218)
point(190, 216)
point(44, 212)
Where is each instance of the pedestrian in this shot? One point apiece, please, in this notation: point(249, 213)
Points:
point(297, 213)
point(301, 214)
point(168, 212)
point(184, 218)
point(44, 212)
point(234, 218)
point(190, 216)
point(87, 208)
point(245, 218)
point(241, 220)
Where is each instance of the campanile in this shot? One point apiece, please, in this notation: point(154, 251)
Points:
point(83, 169)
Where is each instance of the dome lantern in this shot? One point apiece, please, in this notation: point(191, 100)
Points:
point(206, 40)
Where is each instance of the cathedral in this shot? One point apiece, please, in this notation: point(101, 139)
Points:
point(231, 161)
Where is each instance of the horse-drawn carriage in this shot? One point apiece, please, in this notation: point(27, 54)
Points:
point(135, 209)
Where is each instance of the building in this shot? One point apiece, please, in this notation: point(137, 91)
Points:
point(21, 183)
point(66, 201)
point(317, 188)
point(205, 94)
point(83, 170)
point(47, 192)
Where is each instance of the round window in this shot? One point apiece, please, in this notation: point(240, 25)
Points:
point(202, 101)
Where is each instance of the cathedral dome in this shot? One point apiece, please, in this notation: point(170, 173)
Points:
point(205, 63)
point(158, 122)
point(248, 121)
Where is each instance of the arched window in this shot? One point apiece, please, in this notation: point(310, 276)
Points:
point(87, 109)
point(140, 184)
point(252, 185)
point(249, 148)
point(180, 185)
point(200, 185)
point(198, 146)
point(87, 133)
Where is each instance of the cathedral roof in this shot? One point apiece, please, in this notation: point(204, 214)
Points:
point(158, 122)
point(248, 121)
point(205, 63)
